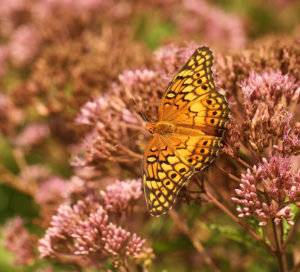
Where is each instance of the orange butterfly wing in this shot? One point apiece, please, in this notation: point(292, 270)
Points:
point(164, 173)
point(192, 99)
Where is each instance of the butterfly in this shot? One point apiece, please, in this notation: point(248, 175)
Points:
point(187, 136)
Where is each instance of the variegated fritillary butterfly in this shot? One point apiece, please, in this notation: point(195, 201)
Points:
point(191, 119)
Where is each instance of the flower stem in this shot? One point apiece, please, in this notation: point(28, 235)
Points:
point(242, 162)
point(231, 176)
point(19, 158)
point(197, 244)
point(280, 254)
point(8, 178)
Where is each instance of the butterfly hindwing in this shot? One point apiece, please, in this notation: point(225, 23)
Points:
point(170, 162)
point(199, 151)
point(164, 174)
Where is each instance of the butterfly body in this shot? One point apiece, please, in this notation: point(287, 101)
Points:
point(162, 128)
point(187, 137)
point(167, 128)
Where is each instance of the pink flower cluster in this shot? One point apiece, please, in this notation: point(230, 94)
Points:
point(109, 121)
point(34, 174)
point(133, 80)
point(33, 134)
point(231, 138)
point(25, 24)
point(86, 228)
point(171, 57)
point(19, 241)
point(22, 39)
point(118, 196)
point(267, 97)
point(291, 136)
point(268, 191)
point(24, 35)
point(272, 87)
point(52, 189)
point(46, 7)
point(279, 180)
point(91, 111)
point(212, 24)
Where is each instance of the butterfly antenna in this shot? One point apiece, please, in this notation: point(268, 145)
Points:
point(140, 110)
point(142, 115)
point(126, 141)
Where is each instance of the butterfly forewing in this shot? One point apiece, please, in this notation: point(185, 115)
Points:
point(192, 82)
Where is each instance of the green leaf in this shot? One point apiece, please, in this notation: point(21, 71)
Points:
point(232, 233)
point(6, 156)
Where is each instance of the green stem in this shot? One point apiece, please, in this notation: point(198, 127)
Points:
point(291, 232)
point(280, 254)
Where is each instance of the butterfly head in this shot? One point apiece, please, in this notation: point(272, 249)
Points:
point(151, 127)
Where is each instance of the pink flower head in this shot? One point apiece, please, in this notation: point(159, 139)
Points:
point(132, 80)
point(114, 238)
point(277, 177)
point(272, 87)
point(134, 245)
point(231, 138)
point(278, 182)
point(291, 135)
point(118, 240)
point(85, 230)
point(33, 174)
point(11, 6)
point(92, 110)
point(18, 240)
point(92, 148)
point(171, 57)
point(143, 86)
point(24, 44)
point(247, 195)
point(212, 23)
point(105, 112)
point(267, 96)
point(64, 225)
point(33, 134)
point(91, 5)
point(118, 196)
point(51, 189)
